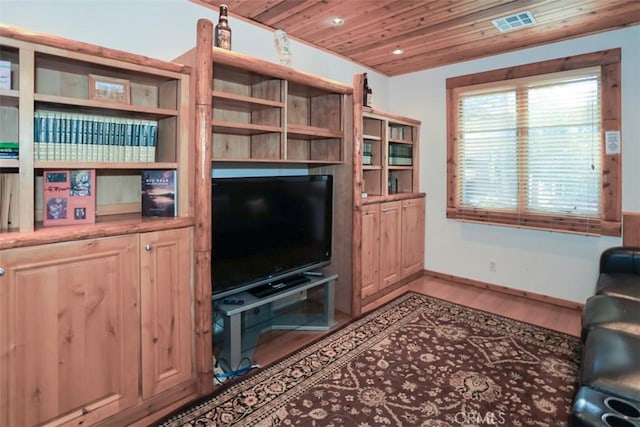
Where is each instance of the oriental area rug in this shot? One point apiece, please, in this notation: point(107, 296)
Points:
point(417, 361)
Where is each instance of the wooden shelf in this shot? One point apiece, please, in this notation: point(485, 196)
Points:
point(9, 163)
point(9, 97)
point(311, 132)
point(266, 113)
point(371, 167)
point(40, 164)
point(101, 106)
point(231, 99)
point(243, 128)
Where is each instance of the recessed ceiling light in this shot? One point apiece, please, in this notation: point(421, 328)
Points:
point(397, 51)
point(337, 20)
point(515, 21)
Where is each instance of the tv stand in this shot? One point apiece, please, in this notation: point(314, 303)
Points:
point(238, 336)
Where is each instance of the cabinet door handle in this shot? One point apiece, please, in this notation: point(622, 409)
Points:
point(1, 272)
point(148, 247)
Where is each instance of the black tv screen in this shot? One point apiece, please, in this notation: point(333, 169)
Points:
point(266, 228)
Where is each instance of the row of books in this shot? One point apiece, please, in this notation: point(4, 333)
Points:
point(367, 153)
point(400, 155)
point(8, 201)
point(9, 150)
point(397, 132)
point(82, 137)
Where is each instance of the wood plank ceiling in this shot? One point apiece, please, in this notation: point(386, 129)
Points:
point(432, 33)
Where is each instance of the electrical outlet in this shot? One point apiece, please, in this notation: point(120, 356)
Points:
point(492, 265)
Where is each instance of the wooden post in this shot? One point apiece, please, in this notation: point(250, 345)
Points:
point(356, 282)
point(202, 205)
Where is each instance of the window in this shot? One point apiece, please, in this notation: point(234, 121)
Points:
point(526, 145)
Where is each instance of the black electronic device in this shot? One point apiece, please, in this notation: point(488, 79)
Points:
point(314, 273)
point(265, 229)
point(277, 286)
point(233, 301)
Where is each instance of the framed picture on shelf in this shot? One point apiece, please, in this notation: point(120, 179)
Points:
point(109, 89)
point(69, 197)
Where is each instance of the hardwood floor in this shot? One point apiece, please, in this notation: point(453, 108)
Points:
point(274, 345)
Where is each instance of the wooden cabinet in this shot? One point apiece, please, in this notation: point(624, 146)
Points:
point(390, 242)
point(370, 250)
point(86, 325)
point(94, 328)
point(69, 331)
point(413, 229)
point(389, 210)
point(165, 307)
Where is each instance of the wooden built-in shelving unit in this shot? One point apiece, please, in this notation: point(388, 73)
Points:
point(253, 113)
point(389, 209)
point(52, 74)
point(96, 321)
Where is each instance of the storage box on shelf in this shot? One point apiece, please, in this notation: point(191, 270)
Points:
point(95, 322)
point(389, 210)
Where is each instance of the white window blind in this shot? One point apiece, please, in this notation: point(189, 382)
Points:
point(530, 153)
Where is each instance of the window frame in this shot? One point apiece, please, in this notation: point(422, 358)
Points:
point(609, 62)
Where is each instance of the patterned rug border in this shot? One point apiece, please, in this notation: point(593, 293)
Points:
point(538, 334)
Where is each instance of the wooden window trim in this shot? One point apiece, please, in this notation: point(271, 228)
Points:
point(609, 62)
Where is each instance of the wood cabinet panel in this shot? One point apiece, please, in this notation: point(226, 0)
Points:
point(69, 330)
point(390, 242)
point(413, 226)
point(166, 314)
point(370, 250)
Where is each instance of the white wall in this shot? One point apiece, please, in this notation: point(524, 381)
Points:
point(165, 29)
point(550, 263)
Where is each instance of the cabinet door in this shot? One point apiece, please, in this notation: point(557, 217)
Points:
point(166, 312)
point(390, 242)
point(413, 219)
point(69, 331)
point(370, 278)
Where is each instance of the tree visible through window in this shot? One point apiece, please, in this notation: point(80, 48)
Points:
point(528, 151)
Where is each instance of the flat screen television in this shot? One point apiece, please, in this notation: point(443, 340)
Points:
point(267, 228)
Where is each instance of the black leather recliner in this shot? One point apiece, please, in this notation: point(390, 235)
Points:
point(609, 392)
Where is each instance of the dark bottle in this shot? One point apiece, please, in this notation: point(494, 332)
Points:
point(365, 91)
point(223, 30)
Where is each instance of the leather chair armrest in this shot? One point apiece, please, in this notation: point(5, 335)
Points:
point(620, 259)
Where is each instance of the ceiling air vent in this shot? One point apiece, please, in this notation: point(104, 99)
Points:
point(515, 21)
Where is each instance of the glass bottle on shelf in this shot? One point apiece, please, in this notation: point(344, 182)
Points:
point(366, 91)
point(223, 30)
